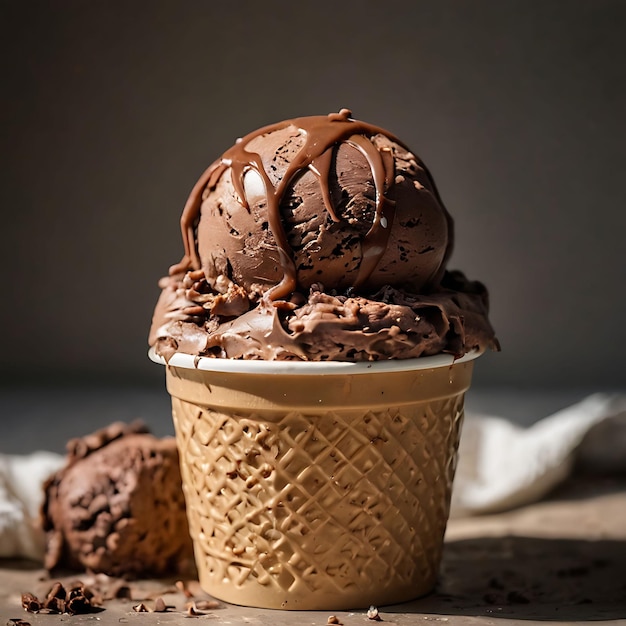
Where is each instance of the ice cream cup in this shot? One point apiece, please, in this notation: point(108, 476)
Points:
point(319, 486)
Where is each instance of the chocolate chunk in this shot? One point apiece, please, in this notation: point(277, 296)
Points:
point(30, 603)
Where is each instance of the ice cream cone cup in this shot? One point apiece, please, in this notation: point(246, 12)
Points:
point(317, 485)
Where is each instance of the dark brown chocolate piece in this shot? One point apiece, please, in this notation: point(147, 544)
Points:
point(31, 603)
point(75, 599)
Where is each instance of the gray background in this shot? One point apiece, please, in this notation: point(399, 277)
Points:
point(111, 110)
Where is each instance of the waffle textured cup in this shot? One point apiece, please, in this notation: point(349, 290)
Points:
point(317, 485)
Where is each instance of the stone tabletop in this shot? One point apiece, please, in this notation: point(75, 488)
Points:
point(562, 560)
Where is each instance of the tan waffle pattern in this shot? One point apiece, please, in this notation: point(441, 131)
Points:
point(341, 509)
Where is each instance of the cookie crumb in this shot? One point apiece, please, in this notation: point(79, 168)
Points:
point(192, 610)
point(31, 603)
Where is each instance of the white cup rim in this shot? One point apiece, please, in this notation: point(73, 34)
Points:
point(308, 368)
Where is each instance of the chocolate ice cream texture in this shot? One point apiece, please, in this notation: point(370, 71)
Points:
point(318, 238)
point(117, 507)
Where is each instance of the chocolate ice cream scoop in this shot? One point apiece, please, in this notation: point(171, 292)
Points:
point(326, 199)
point(117, 506)
point(318, 238)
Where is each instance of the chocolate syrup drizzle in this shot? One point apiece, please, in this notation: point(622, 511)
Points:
point(322, 133)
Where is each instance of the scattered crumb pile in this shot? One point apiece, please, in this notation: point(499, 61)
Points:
point(77, 597)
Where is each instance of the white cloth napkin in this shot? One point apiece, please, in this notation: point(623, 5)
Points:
point(501, 466)
point(21, 496)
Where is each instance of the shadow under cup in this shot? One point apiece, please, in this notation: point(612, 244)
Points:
point(319, 486)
